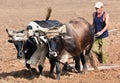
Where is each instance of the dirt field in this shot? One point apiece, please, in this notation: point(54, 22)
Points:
point(16, 14)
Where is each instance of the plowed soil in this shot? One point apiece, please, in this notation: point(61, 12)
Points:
point(16, 14)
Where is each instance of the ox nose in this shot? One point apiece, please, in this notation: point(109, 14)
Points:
point(20, 55)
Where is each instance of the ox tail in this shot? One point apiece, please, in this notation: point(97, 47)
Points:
point(49, 10)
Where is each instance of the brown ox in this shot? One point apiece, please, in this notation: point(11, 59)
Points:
point(77, 40)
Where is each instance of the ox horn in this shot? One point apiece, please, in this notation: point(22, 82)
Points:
point(9, 32)
point(49, 10)
point(15, 33)
point(64, 36)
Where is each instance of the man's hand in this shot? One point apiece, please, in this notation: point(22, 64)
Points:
point(99, 33)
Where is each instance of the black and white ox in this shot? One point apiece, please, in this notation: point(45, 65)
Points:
point(28, 48)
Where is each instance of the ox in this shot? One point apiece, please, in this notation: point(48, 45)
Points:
point(28, 48)
point(77, 40)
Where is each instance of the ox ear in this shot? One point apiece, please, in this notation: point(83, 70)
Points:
point(10, 41)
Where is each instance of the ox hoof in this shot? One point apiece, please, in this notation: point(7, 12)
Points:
point(40, 74)
point(84, 71)
point(95, 68)
point(51, 72)
point(58, 77)
point(33, 70)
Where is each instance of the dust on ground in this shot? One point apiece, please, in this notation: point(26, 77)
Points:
point(16, 14)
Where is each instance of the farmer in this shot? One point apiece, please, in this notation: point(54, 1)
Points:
point(100, 23)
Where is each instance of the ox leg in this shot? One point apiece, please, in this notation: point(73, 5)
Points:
point(84, 62)
point(40, 67)
point(77, 63)
point(28, 67)
point(41, 64)
point(52, 66)
point(58, 70)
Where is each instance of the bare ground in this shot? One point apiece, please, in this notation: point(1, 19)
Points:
point(16, 14)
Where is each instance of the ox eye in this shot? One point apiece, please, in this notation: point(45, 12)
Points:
point(37, 26)
point(29, 27)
